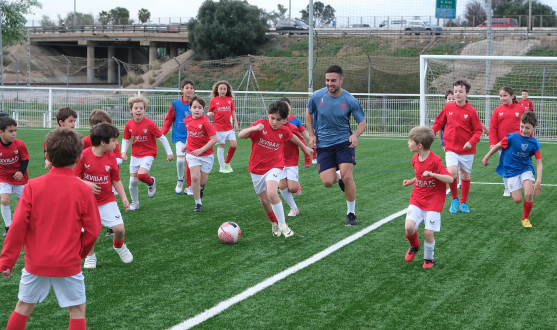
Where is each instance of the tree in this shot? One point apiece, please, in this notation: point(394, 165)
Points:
point(144, 15)
point(46, 21)
point(104, 17)
point(276, 16)
point(13, 20)
point(119, 15)
point(475, 12)
point(323, 15)
point(227, 28)
point(514, 9)
point(81, 19)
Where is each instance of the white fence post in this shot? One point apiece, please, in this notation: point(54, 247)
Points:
point(49, 108)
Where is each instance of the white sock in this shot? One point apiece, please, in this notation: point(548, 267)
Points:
point(338, 175)
point(279, 212)
point(7, 215)
point(351, 207)
point(181, 166)
point(198, 201)
point(288, 198)
point(220, 156)
point(428, 250)
point(134, 190)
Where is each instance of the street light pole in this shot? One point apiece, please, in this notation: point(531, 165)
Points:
point(74, 13)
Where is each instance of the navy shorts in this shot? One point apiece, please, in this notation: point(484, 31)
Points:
point(330, 157)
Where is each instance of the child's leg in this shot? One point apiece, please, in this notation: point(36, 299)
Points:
point(20, 315)
point(231, 151)
point(77, 317)
point(429, 244)
point(188, 176)
point(5, 208)
point(143, 176)
point(453, 169)
point(465, 187)
point(274, 200)
point(119, 234)
point(411, 233)
point(203, 179)
point(220, 155)
point(293, 186)
point(181, 166)
point(133, 187)
point(528, 198)
point(286, 194)
point(196, 183)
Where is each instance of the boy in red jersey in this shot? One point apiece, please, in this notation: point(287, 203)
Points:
point(525, 102)
point(56, 240)
point(144, 148)
point(463, 130)
point(222, 107)
point(14, 159)
point(98, 168)
point(178, 111)
point(65, 117)
point(428, 196)
point(267, 162)
point(201, 139)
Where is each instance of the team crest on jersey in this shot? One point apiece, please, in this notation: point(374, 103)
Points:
point(87, 166)
point(145, 131)
point(264, 133)
point(280, 136)
point(200, 125)
point(501, 113)
point(344, 106)
point(16, 152)
point(516, 113)
point(465, 116)
point(107, 168)
point(228, 102)
point(130, 130)
point(524, 146)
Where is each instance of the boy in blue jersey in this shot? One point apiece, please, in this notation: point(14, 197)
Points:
point(335, 142)
point(179, 110)
point(515, 164)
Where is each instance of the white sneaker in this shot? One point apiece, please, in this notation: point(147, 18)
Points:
point(134, 207)
point(124, 254)
point(506, 193)
point(293, 212)
point(276, 230)
point(287, 232)
point(179, 187)
point(188, 191)
point(152, 189)
point(314, 161)
point(299, 191)
point(90, 262)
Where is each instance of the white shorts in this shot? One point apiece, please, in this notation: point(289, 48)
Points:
point(464, 162)
point(260, 181)
point(206, 162)
point(179, 146)
point(6, 188)
point(291, 173)
point(431, 219)
point(226, 136)
point(70, 291)
point(110, 215)
point(515, 183)
point(144, 162)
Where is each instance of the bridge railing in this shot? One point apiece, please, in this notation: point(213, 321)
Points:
point(133, 28)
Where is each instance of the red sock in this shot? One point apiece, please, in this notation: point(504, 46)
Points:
point(464, 190)
point(188, 176)
point(454, 188)
point(414, 240)
point(118, 244)
point(272, 217)
point(229, 155)
point(527, 209)
point(17, 321)
point(145, 178)
point(77, 324)
point(314, 153)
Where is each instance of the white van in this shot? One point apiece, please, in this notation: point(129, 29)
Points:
point(394, 23)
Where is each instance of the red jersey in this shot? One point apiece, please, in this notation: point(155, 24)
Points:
point(527, 104)
point(504, 120)
point(101, 171)
point(199, 133)
point(292, 150)
point(145, 135)
point(10, 162)
point(429, 193)
point(222, 107)
point(462, 125)
point(267, 147)
point(47, 223)
point(87, 144)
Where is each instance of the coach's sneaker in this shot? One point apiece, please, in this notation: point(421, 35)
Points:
point(152, 188)
point(179, 187)
point(188, 191)
point(276, 230)
point(198, 208)
point(341, 185)
point(228, 168)
point(287, 232)
point(351, 219)
point(299, 191)
point(464, 208)
point(109, 232)
point(293, 212)
point(411, 253)
point(134, 207)
point(6, 233)
point(454, 205)
point(124, 254)
point(429, 263)
point(90, 262)
point(506, 193)
point(526, 223)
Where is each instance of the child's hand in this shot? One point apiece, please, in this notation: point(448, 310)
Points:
point(96, 189)
point(6, 273)
point(427, 174)
point(126, 204)
point(47, 165)
point(259, 127)
point(307, 150)
point(537, 188)
point(468, 145)
point(210, 114)
point(235, 126)
point(197, 152)
point(307, 165)
point(170, 157)
point(18, 176)
point(124, 157)
point(406, 183)
point(485, 161)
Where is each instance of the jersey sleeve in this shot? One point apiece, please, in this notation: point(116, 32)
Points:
point(477, 127)
point(232, 107)
point(127, 134)
point(357, 111)
point(155, 130)
point(289, 133)
point(208, 127)
point(440, 121)
point(168, 121)
point(311, 104)
point(505, 142)
point(114, 170)
point(117, 151)
point(254, 135)
point(538, 155)
point(23, 153)
point(78, 169)
point(441, 169)
point(493, 128)
point(212, 105)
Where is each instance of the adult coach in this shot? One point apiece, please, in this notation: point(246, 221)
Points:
point(328, 124)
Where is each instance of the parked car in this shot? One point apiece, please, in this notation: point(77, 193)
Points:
point(292, 26)
point(418, 26)
point(359, 25)
point(501, 22)
point(395, 23)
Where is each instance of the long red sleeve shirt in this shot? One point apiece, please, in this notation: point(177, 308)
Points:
point(47, 223)
point(504, 120)
point(462, 125)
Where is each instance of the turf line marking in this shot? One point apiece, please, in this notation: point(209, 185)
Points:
point(220, 307)
point(543, 184)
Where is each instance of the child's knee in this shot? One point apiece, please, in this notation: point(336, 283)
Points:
point(410, 227)
point(5, 201)
point(428, 235)
point(272, 194)
point(517, 199)
point(529, 196)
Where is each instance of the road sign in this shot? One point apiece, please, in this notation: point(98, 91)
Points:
point(445, 9)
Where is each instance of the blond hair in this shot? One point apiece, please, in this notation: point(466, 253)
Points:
point(138, 99)
point(98, 116)
point(422, 135)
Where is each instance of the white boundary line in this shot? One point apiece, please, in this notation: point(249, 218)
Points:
point(543, 184)
point(220, 307)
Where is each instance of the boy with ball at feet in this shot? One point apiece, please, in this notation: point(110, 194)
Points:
point(515, 164)
point(428, 196)
point(53, 240)
point(267, 162)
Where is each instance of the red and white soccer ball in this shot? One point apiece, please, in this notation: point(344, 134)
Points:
point(229, 232)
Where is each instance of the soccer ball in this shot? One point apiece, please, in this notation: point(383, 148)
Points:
point(229, 232)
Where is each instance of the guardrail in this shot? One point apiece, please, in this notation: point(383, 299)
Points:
point(134, 28)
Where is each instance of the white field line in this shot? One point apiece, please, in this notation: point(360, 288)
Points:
point(220, 307)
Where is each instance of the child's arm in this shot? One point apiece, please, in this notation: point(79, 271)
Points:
point(22, 168)
point(96, 189)
point(440, 121)
point(168, 121)
point(166, 145)
point(493, 150)
point(210, 144)
point(91, 223)
point(235, 120)
point(307, 150)
point(247, 131)
point(305, 134)
point(406, 183)
point(441, 177)
point(122, 193)
point(125, 145)
point(538, 184)
point(486, 130)
point(311, 133)
point(493, 128)
point(478, 131)
point(211, 110)
point(440, 138)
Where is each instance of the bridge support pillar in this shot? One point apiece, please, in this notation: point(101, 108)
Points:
point(130, 55)
point(90, 63)
point(173, 51)
point(152, 55)
point(111, 65)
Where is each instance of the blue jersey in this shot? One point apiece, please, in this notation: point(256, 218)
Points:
point(332, 116)
point(516, 156)
point(295, 121)
point(181, 111)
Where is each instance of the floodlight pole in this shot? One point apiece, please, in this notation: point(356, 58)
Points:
point(74, 13)
point(310, 52)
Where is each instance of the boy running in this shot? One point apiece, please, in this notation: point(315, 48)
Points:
point(65, 117)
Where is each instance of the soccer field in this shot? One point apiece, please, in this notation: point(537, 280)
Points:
point(490, 272)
